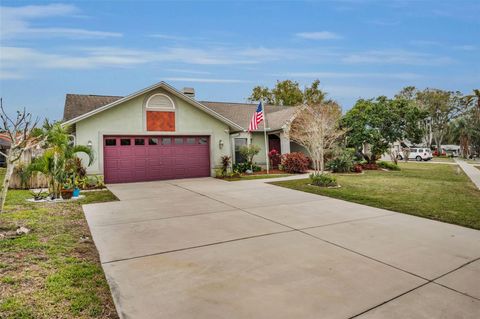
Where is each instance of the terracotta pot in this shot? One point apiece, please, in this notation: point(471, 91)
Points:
point(67, 193)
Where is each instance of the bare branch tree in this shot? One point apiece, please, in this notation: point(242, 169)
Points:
point(19, 131)
point(316, 127)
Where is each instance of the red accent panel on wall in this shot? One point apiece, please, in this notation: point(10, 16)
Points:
point(160, 121)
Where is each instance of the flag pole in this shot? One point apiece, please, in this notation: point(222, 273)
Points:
point(265, 135)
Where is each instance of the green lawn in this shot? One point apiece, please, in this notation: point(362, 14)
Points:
point(440, 192)
point(250, 177)
point(54, 271)
point(443, 159)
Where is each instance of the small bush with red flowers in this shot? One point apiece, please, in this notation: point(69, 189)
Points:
point(295, 163)
point(275, 158)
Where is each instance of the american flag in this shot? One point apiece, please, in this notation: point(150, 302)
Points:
point(257, 118)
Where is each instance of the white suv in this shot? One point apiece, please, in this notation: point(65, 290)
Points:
point(418, 154)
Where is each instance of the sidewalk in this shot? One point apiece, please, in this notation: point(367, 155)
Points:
point(472, 172)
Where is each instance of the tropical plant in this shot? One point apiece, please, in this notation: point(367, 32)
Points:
point(226, 160)
point(323, 180)
point(342, 163)
point(58, 156)
point(295, 163)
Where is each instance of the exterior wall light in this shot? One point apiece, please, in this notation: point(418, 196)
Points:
point(220, 144)
point(89, 144)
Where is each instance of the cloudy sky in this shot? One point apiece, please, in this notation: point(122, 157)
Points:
point(224, 48)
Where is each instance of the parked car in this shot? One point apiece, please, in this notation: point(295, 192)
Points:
point(418, 154)
point(444, 153)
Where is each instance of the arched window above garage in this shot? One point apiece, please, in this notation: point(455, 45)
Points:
point(160, 102)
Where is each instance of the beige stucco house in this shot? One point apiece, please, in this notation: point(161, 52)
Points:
point(162, 133)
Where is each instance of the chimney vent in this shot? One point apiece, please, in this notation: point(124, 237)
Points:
point(190, 92)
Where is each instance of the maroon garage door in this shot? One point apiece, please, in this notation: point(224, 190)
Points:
point(149, 158)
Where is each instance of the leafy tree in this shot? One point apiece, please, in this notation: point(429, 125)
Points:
point(442, 107)
point(379, 123)
point(288, 93)
point(261, 93)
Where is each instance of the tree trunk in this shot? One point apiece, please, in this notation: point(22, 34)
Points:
point(6, 183)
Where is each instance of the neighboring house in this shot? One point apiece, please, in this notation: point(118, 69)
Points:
point(4, 146)
point(161, 133)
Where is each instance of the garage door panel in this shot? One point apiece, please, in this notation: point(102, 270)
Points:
point(170, 158)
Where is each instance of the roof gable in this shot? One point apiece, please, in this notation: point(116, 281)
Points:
point(236, 115)
point(73, 102)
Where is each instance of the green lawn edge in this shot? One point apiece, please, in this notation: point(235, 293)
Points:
point(435, 191)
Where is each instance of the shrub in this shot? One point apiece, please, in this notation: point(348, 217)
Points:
point(295, 163)
point(323, 180)
point(342, 163)
point(370, 166)
point(388, 165)
point(226, 160)
point(274, 157)
point(243, 167)
point(357, 168)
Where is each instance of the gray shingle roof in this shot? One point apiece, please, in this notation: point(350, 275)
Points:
point(78, 104)
point(239, 113)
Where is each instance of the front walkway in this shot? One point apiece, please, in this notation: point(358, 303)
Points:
point(206, 248)
point(472, 172)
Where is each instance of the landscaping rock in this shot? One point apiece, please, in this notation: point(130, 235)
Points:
point(22, 230)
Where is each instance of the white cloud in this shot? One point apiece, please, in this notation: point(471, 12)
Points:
point(17, 22)
point(319, 35)
point(204, 80)
point(345, 75)
point(395, 57)
point(466, 47)
point(188, 71)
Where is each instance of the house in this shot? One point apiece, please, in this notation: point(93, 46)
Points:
point(162, 133)
point(4, 146)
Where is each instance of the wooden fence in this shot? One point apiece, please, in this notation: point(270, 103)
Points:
point(37, 180)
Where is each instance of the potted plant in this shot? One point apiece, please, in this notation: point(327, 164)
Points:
point(67, 188)
point(76, 188)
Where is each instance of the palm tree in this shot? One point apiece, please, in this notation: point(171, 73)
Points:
point(474, 100)
point(59, 153)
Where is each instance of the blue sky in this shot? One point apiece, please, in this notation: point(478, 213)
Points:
point(224, 48)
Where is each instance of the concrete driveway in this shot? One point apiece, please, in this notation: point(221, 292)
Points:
point(206, 248)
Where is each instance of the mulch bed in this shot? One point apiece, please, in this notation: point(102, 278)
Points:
point(264, 172)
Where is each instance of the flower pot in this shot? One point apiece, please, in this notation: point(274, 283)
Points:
point(67, 193)
point(76, 192)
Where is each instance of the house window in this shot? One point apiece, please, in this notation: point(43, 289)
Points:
point(166, 140)
point(160, 102)
point(125, 141)
point(202, 140)
point(139, 141)
point(190, 140)
point(110, 142)
point(239, 142)
point(153, 141)
point(178, 140)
